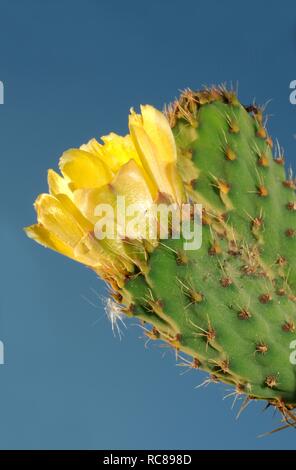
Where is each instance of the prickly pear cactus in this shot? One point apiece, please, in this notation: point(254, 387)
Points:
point(229, 305)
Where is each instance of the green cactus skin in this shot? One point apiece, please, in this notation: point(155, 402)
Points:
point(231, 304)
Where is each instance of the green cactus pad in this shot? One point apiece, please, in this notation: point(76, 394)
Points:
point(231, 304)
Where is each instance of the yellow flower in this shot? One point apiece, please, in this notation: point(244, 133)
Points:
point(141, 167)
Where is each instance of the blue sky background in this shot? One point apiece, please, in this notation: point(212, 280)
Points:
point(71, 71)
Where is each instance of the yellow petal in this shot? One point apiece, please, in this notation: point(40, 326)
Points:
point(84, 169)
point(57, 184)
point(101, 253)
point(148, 155)
point(159, 131)
point(156, 146)
point(92, 146)
point(130, 182)
point(115, 150)
point(88, 199)
point(89, 251)
point(176, 182)
point(68, 204)
point(39, 233)
point(57, 220)
point(118, 150)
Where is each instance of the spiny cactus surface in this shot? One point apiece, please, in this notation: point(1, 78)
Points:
point(229, 305)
